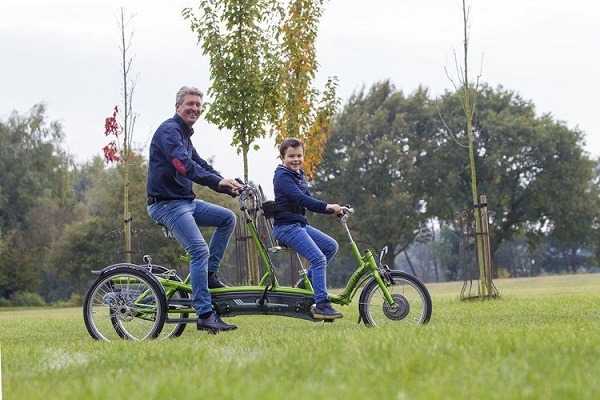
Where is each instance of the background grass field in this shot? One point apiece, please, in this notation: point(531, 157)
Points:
point(541, 340)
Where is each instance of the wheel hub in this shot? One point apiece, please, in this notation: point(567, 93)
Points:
point(399, 311)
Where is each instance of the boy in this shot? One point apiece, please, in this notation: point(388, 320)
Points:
point(291, 226)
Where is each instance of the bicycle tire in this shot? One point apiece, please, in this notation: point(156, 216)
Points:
point(175, 329)
point(125, 303)
point(413, 301)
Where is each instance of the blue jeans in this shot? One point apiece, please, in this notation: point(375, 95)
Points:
point(315, 246)
point(184, 218)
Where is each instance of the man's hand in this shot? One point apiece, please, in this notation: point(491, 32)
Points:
point(230, 186)
point(334, 209)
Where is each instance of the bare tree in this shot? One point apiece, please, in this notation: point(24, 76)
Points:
point(120, 151)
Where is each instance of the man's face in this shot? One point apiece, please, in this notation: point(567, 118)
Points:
point(189, 109)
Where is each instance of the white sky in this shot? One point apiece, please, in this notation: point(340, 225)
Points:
point(66, 54)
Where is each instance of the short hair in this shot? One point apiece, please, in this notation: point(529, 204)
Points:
point(187, 90)
point(290, 142)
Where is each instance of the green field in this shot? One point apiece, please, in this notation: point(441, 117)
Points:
point(541, 340)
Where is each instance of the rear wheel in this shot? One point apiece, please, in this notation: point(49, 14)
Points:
point(171, 330)
point(124, 303)
point(412, 302)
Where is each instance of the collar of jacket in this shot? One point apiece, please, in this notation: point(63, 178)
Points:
point(188, 131)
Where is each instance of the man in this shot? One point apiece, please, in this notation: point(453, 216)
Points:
point(174, 164)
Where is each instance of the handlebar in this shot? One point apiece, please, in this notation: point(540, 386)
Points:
point(249, 192)
point(346, 211)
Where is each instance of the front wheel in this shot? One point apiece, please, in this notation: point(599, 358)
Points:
point(125, 303)
point(412, 302)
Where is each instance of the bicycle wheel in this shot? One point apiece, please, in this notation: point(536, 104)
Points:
point(410, 295)
point(125, 303)
point(176, 329)
point(171, 330)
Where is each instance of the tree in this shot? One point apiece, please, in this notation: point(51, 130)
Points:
point(237, 37)
point(304, 112)
point(572, 205)
point(468, 100)
point(370, 162)
point(121, 151)
point(36, 201)
point(390, 156)
point(262, 65)
point(524, 163)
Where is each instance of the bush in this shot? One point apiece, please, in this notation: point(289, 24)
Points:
point(27, 299)
point(76, 300)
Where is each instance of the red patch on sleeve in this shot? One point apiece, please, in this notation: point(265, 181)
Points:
point(179, 166)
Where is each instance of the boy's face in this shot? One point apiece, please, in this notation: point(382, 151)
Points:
point(293, 158)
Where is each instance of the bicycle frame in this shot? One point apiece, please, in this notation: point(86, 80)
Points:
point(367, 267)
point(129, 301)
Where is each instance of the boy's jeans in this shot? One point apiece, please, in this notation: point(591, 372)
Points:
point(315, 246)
point(183, 218)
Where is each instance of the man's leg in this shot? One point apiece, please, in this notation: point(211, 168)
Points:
point(223, 219)
point(178, 217)
point(186, 232)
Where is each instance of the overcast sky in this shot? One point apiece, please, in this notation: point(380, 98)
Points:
point(66, 54)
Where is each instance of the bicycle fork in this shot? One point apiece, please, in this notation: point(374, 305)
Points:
point(381, 275)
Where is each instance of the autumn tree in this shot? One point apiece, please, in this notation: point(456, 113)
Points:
point(262, 66)
point(304, 112)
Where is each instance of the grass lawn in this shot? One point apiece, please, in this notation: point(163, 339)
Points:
point(540, 340)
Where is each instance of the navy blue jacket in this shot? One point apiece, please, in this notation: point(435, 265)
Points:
point(174, 163)
point(291, 190)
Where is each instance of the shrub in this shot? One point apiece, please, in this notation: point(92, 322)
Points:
point(27, 299)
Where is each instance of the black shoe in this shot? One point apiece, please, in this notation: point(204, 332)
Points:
point(214, 281)
point(213, 323)
point(323, 310)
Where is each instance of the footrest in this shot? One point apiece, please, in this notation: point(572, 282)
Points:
point(278, 248)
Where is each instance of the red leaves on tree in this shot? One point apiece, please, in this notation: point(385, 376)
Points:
point(112, 127)
point(110, 152)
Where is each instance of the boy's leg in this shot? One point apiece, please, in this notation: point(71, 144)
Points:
point(297, 237)
point(326, 243)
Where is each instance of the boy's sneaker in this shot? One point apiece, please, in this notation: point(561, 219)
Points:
point(324, 310)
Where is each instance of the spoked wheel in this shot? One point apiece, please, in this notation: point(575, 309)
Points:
point(124, 303)
point(176, 329)
point(412, 302)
